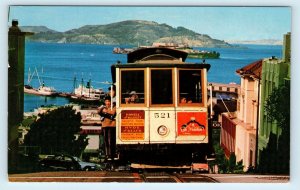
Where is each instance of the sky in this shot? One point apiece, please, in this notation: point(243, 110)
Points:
point(224, 23)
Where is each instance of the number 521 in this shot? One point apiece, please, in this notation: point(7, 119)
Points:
point(161, 115)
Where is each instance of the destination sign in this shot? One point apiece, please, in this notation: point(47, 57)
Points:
point(132, 125)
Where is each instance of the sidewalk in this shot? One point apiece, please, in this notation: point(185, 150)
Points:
point(245, 178)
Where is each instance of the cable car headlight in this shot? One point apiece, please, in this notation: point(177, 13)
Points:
point(162, 130)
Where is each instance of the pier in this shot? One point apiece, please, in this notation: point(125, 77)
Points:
point(231, 88)
point(72, 97)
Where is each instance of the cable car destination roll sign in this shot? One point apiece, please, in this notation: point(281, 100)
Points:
point(132, 125)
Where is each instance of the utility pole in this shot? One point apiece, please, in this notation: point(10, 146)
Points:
point(16, 62)
point(257, 123)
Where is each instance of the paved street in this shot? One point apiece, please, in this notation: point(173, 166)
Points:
point(242, 178)
point(158, 177)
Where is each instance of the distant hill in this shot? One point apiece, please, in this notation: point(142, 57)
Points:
point(36, 29)
point(257, 42)
point(131, 32)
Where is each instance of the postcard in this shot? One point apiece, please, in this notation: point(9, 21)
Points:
point(143, 94)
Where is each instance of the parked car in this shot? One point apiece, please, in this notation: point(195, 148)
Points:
point(67, 162)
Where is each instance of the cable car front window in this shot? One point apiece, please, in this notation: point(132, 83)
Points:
point(190, 87)
point(132, 87)
point(161, 86)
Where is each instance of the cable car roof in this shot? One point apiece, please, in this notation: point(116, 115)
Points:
point(153, 53)
point(157, 58)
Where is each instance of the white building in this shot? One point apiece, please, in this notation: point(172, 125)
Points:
point(238, 134)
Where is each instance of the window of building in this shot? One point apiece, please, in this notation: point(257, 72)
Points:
point(161, 86)
point(132, 87)
point(190, 86)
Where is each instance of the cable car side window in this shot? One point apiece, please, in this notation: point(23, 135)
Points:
point(190, 87)
point(161, 86)
point(132, 87)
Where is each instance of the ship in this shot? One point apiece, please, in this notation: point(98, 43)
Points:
point(42, 90)
point(87, 93)
point(119, 50)
point(197, 54)
point(47, 91)
point(192, 53)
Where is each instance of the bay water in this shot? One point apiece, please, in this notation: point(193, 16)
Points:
point(64, 65)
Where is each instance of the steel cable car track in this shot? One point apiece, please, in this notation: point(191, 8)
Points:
point(172, 177)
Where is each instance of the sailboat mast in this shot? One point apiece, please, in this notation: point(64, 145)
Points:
point(81, 85)
point(89, 88)
point(74, 83)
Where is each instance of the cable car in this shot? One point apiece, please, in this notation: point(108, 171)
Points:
point(161, 106)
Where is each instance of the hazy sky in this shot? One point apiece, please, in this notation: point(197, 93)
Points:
point(225, 23)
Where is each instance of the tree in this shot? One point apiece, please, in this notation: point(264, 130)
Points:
point(56, 131)
point(231, 162)
point(226, 165)
point(278, 149)
point(278, 106)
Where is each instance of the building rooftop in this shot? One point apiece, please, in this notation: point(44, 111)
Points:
point(252, 70)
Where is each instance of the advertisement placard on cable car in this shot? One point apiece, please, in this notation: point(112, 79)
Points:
point(132, 125)
point(191, 123)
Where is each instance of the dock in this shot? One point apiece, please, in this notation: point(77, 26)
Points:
point(71, 96)
point(217, 88)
